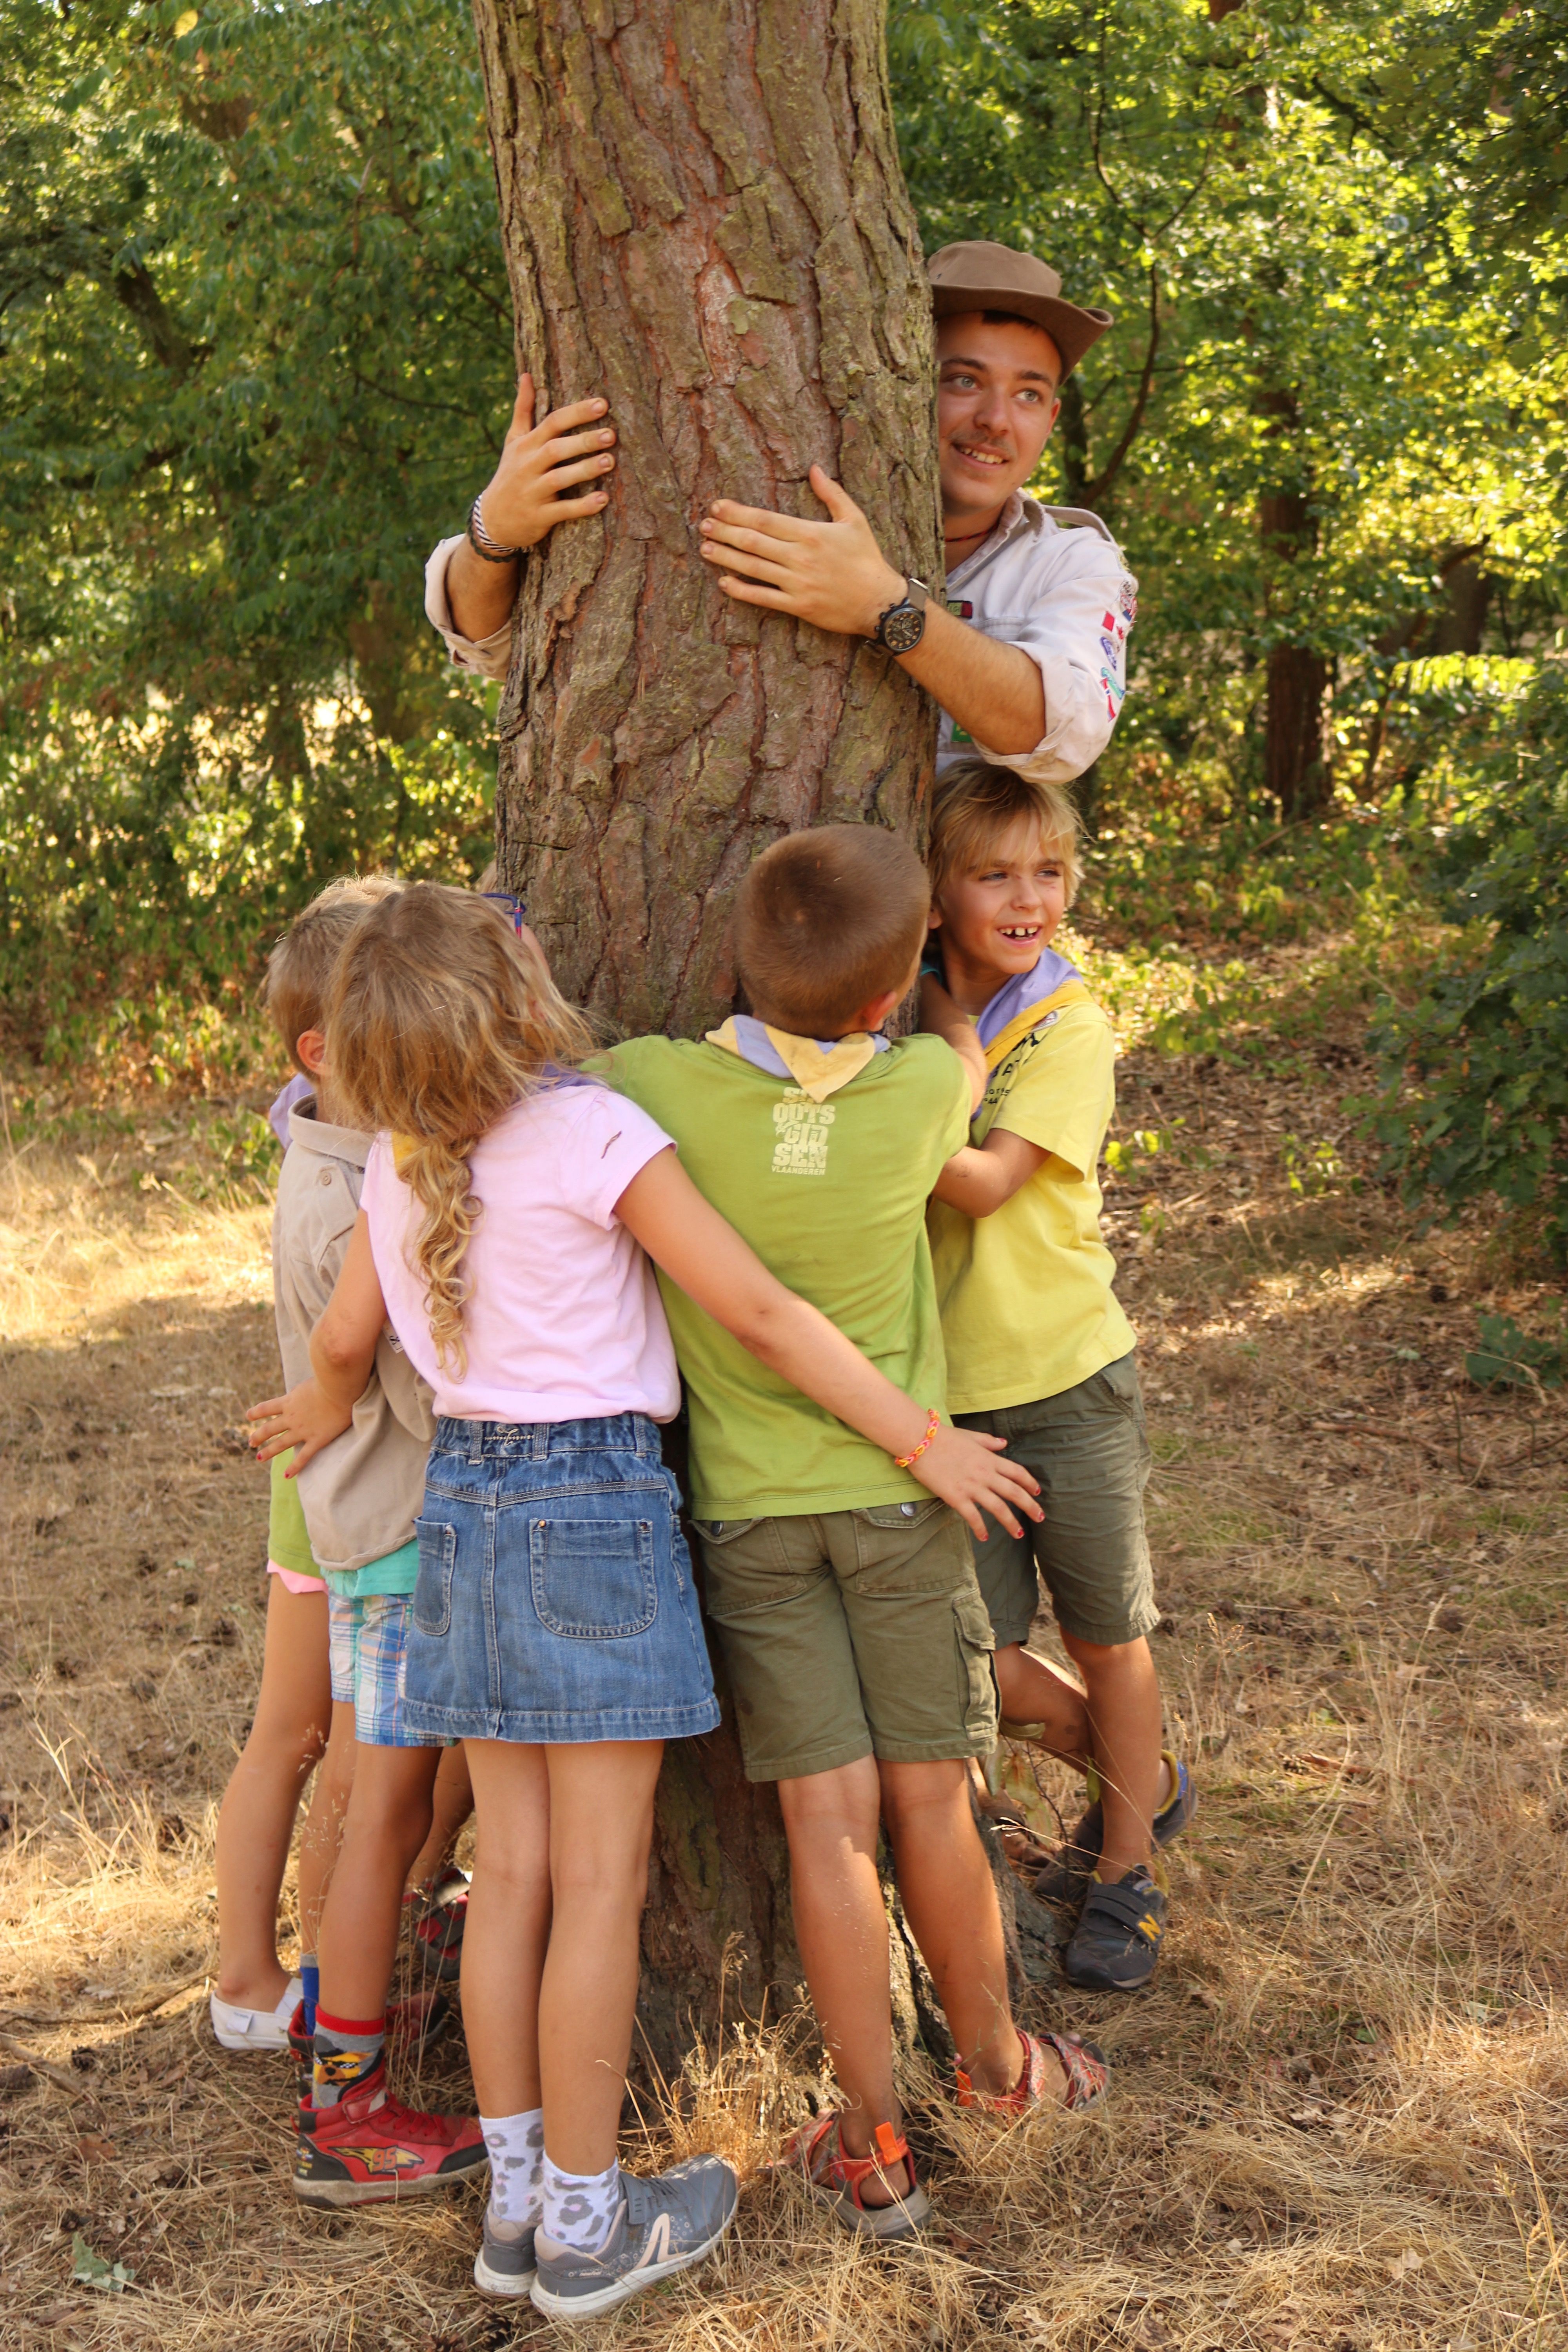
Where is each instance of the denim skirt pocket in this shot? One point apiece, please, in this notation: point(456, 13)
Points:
point(593, 1579)
point(438, 1559)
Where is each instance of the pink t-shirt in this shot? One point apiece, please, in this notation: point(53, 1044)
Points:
point(563, 1320)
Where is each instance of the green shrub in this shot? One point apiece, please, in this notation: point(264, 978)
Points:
point(1476, 1071)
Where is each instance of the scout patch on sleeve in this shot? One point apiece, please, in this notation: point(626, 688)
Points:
point(960, 608)
point(1129, 598)
point(800, 1129)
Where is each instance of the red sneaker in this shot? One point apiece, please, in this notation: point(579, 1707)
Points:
point(370, 2150)
point(438, 1937)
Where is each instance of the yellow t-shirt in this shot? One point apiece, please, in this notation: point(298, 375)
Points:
point(1027, 1307)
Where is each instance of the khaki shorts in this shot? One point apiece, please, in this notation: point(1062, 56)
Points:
point(1089, 1450)
point(851, 1633)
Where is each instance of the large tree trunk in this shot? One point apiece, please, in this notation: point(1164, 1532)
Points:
point(704, 220)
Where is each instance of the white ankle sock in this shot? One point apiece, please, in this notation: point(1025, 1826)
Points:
point(516, 2144)
point(580, 2209)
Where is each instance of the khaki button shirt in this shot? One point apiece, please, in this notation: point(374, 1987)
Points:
point(361, 1494)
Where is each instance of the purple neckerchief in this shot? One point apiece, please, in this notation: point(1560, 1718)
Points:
point(1025, 989)
point(296, 1091)
point(753, 1040)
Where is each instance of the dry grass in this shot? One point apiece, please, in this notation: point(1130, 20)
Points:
point(1340, 2119)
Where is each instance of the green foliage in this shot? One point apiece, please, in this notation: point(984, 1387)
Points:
point(1510, 1357)
point(1475, 1069)
point(255, 353)
point(256, 349)
point(1324, 420)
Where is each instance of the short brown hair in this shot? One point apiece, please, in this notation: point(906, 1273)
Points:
point(976, 806)
point(299, 969)
point(825, 920)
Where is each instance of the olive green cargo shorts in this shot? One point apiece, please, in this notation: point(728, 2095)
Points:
point(851, 1633)
point(1089, 1450)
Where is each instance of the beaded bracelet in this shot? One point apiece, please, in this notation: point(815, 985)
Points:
point(482, 543)
point(902, 1461)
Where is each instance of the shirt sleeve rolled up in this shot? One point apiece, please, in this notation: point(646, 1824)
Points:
point(485, 657)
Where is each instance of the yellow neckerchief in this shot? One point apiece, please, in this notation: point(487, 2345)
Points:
point(404, 1148)
point(815, 1073)
point(1034, 1016)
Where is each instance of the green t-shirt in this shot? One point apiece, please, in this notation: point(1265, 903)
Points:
point(287, 1541)
point(831, 1197)
point(395, 1572)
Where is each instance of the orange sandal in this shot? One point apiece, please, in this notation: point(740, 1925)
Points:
point(837, 2179)
point(1086, 2071)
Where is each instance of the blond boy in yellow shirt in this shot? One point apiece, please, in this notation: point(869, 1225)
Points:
point(1038, 1349)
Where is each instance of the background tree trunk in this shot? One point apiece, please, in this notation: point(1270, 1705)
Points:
point(1295, 769)
point(704, 220)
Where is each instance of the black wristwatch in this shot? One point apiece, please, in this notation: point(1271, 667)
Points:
point(903, 624)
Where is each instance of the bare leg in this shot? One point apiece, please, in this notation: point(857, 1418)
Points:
point(1034, 1691)
point(842, 1929)
point(509, 1923)
point(289, 1733)
point(323, 1831)
point(949, 1898)
point(388, 1818)
point(601, 1826)
point(451, 1802)
point(1125, 1713)
point(550, 1954)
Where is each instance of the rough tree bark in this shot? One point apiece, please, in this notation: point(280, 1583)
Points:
point(705, 220)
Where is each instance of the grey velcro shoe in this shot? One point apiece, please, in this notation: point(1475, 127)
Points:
point(664, 2225)
point(504, 2265)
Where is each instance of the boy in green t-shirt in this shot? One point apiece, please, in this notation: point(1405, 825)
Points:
point(1038, 1351)
point(842, 1592)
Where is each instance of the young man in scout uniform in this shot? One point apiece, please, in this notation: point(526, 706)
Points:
point(1028, 655)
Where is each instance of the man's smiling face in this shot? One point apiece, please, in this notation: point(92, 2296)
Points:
point(996, 402)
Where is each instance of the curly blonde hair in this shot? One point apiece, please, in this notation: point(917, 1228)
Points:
point(441, 1018)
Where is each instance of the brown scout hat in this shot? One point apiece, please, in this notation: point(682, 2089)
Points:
point(979, 275)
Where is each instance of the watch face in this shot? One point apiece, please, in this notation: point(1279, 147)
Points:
point(902, 629)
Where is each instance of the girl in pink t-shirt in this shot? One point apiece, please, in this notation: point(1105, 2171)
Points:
point(507, 1207)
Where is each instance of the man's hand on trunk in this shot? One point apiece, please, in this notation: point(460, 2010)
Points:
point(831, 574)
point(523, 501)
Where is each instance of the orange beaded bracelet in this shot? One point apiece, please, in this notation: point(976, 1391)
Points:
point(902, 1461)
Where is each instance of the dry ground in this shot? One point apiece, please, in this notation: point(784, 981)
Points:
point(1339, 2118)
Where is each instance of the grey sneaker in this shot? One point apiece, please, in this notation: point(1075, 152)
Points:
point(664, 2226)
point(504, 2265)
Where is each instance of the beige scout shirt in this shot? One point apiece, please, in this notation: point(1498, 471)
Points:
point(1050, 580)
point(362, 1493)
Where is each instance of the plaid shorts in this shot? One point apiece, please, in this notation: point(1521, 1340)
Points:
point(367, 1639)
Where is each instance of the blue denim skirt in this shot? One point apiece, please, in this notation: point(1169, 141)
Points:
point(555, 1600)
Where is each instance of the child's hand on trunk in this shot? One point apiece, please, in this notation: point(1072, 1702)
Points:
point(971, 1473)
point(305, 1419)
